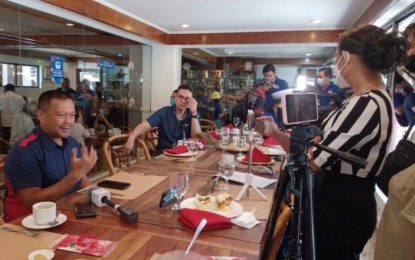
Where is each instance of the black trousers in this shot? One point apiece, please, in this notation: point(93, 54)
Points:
point(345, 216)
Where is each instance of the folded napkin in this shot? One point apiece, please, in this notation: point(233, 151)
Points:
point(229, 126)
point(177, 150)
point(271, 141)
point(257, 156)
point(215, 135)
point(192, 218)
point(246, 220)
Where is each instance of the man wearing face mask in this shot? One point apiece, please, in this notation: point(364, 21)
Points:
point(326, 86)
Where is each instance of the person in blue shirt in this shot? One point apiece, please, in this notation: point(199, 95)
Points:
point(47, 164)
point(217, 109)
point(326, 86)
point(175, 123)
point(269, 72)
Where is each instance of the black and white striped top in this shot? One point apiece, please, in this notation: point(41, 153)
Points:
point(361, 126)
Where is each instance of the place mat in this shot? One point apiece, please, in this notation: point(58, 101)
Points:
point(262, 207)
point(15, 245)
point(139, 184)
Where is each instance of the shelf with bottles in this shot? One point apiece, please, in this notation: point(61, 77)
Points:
point(240, 80)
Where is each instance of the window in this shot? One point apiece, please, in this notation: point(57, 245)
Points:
point(26, 76)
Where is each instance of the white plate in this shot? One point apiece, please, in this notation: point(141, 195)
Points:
point(235, 209)
point(46, 252)
point(29, 222)
point(189, 153)
point(272, 150)
point(241, 159)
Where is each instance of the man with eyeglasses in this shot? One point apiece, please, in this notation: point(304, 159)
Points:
point(177, 122)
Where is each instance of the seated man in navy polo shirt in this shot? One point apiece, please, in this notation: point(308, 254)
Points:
point(47, 164)
point(175, 122)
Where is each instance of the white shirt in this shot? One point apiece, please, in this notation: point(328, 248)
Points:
point(11, 105)
point(79, 132)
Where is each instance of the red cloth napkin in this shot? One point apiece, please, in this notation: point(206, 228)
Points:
point(215, 135)
point(271, 141)
point(177, 150)
point(230, 126)
point(257, 156)
point(192, 218)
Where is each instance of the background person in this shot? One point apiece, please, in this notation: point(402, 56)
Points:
point(326, 86)
point(23, 124)
point(345, 206)
point(11, 105)
point(174, 122)
point(48, 164)
point(279, 84)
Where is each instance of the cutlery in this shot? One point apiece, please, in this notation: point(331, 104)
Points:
point(198, 230)
point(214, 184)
point(23, 231)
point(55, 221)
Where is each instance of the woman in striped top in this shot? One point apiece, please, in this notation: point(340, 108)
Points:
point(345, 206)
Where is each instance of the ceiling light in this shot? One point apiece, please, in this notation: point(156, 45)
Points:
point(185, 25)
point(2, 29)
point(119, 54)
point(315, 21)
point(230, 53)
point(308, 54)
point(70, 24)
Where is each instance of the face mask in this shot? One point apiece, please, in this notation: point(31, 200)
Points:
point(320, 82)
point(342, 82)
point(172, 101)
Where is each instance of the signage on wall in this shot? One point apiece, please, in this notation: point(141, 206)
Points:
point(56, 67)
point(106, 64)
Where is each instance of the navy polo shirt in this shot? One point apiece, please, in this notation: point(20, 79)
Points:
point(171, 130)
point(331, 89)
point(38, 161)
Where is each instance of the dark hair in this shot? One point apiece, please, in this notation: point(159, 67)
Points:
point(410, 29)
point(267, 68)
point(377, 49)
point(9, 87)
point(328, 72)
point(187, 87)
point(45, 98)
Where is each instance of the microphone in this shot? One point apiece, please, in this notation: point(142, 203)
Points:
point(101, 197)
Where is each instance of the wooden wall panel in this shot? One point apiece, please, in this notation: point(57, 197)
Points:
point(96, 11)
point(256, 37)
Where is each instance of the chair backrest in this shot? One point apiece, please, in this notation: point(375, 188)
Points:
point(115, 155)
point(207, 125)
point(4, 146)
point(150, 138)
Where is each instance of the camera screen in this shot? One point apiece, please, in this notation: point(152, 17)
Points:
point(299, 108)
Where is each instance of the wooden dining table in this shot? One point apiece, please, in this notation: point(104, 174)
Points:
point(158, 229)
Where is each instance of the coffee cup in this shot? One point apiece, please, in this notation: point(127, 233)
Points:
point(44, 212)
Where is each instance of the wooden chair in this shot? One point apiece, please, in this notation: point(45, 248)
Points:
point(207, 125)
point(4, 146)
point(115, 155)
point(150, 138)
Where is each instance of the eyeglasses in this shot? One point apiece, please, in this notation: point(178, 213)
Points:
point(180, 97)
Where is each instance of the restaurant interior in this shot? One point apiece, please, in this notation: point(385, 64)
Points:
point(138, 69)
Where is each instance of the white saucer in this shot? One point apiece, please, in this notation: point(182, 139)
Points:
point(46, 252)
point(29, 222)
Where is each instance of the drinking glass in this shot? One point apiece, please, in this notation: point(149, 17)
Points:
point(241, 142)
point(236, 121)
point(179, 184)
point(227, 169)
point(225, 133)
point(192, 145)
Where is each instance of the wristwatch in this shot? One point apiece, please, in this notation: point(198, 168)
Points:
point(195, 116)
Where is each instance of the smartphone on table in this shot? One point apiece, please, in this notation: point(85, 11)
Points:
point(114, 184)
point(167, 198)
point(84, 210)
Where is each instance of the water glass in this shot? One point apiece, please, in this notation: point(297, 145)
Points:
point(236, 121)
point(241, 142)
point(225, 134)
point(179, 185)
point(193, 145)
point(227, 169)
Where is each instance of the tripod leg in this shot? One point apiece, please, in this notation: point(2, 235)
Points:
point(283, 182)
point(310, 205)
point(295, 248)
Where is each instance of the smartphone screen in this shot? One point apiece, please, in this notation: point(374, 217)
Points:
point(114, 184)
point(84, 210)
